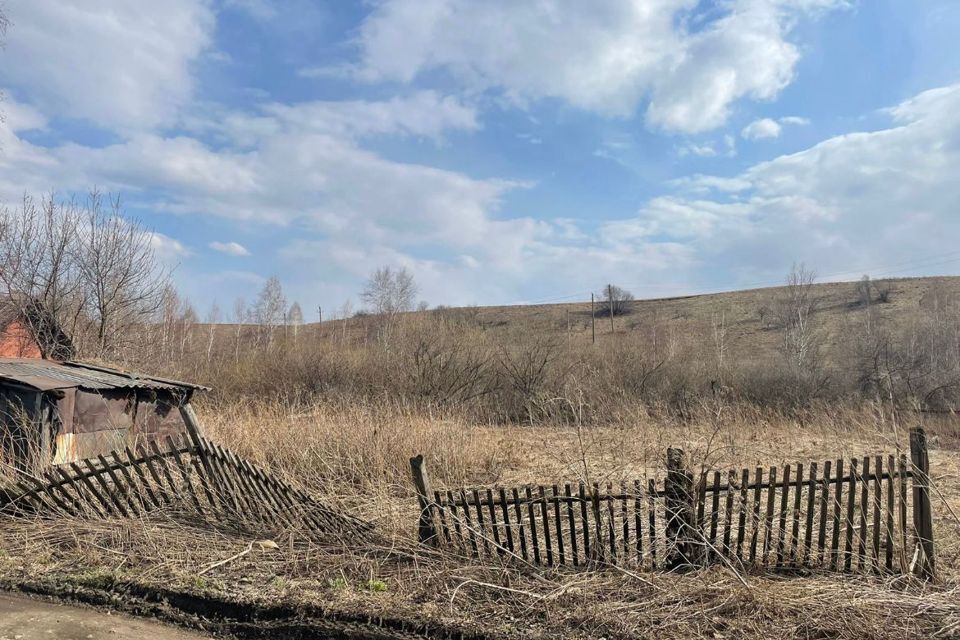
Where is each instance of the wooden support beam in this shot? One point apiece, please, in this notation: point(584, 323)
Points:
point(922, 512)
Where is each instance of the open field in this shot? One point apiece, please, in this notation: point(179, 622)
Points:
point(357, 457)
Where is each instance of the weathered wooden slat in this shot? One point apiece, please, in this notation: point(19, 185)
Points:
point(652, 524)
point(105, 488)
point(87, 497)
point(851, 510)
point(545, 521)
point(455, 518)
point(71, 504)
point(782, 521)
point(118, 488)
point(904, 531)
point(584, 523)
point(185, 474)
point(797, 503)
point(598, 548)
point(534, 537)
point(811, 507)
point(864, 510)
point(701, 514)
point(755, 534)
point(638, 519)
point(743, 507)
point(625, 521)
point(144, 481)
point(152, 462)
point(890, 509)
point(493, 523)
point(611, 524)
point(837, 518)
point(711, 551)
point(877, 509)
point(129, 487)
point(572, 523)
point(442, 513)
point(768, 519)
point(728, 515)
point(558, 522)
point(824, 503)
point(508, 528)
point(231, 497)
point(468, 523)
point(520, 528)
point(254, 490)
point(481, 529)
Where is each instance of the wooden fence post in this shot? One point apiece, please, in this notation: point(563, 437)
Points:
point(922, 512)
point(680, 510)
point(427, 529)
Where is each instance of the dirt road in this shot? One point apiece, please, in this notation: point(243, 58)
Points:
point(24, 618)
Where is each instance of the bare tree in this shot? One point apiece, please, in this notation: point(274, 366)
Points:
point(294, 319)
point(270, 309)
point(214, 316)
point(83, 268)
point(389, 292)
point(795, 308)
point(240, 315)
point(613, 297)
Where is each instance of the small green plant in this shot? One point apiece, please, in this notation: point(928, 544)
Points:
point(96, 579)
point(199, 583)
point(279, 582)
point(376, 586)
point(338, 584)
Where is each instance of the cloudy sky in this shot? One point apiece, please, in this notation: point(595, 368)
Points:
point(504, 151)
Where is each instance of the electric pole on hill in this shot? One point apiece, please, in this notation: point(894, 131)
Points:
point(610, 302)
point(593, 321)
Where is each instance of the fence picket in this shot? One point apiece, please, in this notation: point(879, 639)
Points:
point(545, 520)
point(797, 502)
point(558, 522)
point(571, 520)
point(782, 521)
point(811, 505)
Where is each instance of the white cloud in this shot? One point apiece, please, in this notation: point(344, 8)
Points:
point(168, 250)
point(230, 248)
point(763, 128)
point(606, 56)
point(874, 198)
point(117, 63)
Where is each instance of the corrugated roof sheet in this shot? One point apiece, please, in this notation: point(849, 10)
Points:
point(45, 375)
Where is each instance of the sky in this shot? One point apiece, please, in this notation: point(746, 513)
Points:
point(504, 151)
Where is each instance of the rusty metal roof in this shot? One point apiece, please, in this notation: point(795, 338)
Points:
point(45, 375)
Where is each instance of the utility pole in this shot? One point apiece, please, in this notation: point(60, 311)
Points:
point(320, 315)
point(593, 320)
point(610, 302)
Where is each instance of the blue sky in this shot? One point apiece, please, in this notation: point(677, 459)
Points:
point(503, 151)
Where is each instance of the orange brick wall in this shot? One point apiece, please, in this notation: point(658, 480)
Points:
point(16, 341)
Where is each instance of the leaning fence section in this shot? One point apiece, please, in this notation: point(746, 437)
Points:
point(867, 515)
point(192, 474)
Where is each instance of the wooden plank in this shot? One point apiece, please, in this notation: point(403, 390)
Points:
point(95, 474)
point(508, 528)
point(701, 515)
point(131, 488)
point(468, 523)
point(572, 523)
point(185, 474)
point(455, 517)
point(558, 521)
point(441, 513)
point(864, 509)
point(545, 521)
point(119, 488)
point(922, 508)
point(728, 515)
point(824, 501)
point(652, 524)
point(43, 494)
point(493, 523)
point(585, 523)
point(88, 501)
point(163, 462)
point(638, 519)
point(71, 504)
point(228, 493)
point(768, 519)
point(742, 520)
point(851, 509)
point(144, 481)
point(711, 551)
point(837, 516)
point(905, 554)
point(481, 529)
point(611, 522)
point(534, 538)
point(625, 520)
point(275, 498)
point(877, 508)
point(797, 498)
point(249, 492)
point(782, 521)
point(755, 534)
point(890, 509)
point(597, 523)
point(520, 529)
point(149, 461)
point(811, 507)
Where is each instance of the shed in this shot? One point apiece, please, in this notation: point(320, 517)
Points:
point(59, 412)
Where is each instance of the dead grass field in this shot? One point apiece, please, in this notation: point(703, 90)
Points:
point(357, 456)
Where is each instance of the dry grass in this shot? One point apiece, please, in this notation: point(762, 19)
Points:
point(358, 455)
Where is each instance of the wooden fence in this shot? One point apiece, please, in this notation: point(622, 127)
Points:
point(844, 515)
point(210, 481)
